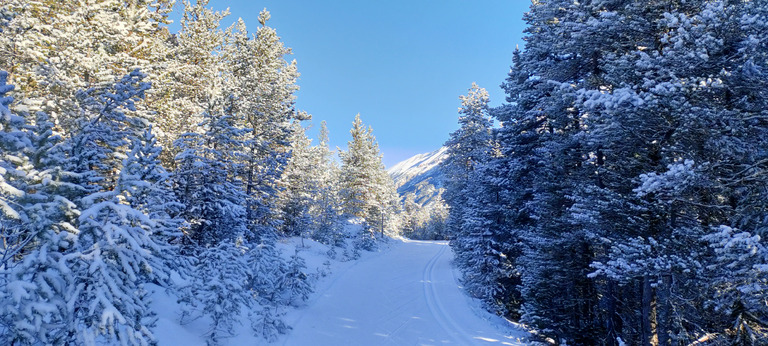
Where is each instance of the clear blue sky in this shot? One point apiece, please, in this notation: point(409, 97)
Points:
point(401, 64)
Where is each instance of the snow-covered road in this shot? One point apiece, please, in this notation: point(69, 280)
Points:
point(407, 295)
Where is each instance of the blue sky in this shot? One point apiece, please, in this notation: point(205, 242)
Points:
point(401, 64)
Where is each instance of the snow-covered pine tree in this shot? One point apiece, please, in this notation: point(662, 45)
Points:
point(204, 181)
point(149, 190)
point(113, 256)
point(213, 196)
point(101, 257)
point(299, 185)
point(411, 220)
point(438, 215)
point(358, 170)
point(14, 143)
point(220, 290)
point(267, 270)
point(627, 134)
point(367, 191)
point(551, 159)
point(486, 246)
point(114, 252)
point(192, 75)
point(259, 86)
point(150, 185)
point(468, 147)
point(738, 276)
point(326, 209)
point(691, 141)
point(295, 285)
point(268, 323)
point(385, 211)
point(263, 84)
point(491, 272)
point(33, 283)
point(93, 43)
point(109, 119)
point(423, 217)
point(471, 144)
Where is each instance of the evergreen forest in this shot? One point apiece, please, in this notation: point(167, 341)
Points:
point(617, 196)
point(621, 199)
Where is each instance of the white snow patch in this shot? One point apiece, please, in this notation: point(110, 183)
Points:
point(406, 292)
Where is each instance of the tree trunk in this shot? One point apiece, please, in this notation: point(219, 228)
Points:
point(613, 323)
point(664, 310)
point(645, 311)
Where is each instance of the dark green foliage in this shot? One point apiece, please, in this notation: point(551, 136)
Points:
point(630, 172)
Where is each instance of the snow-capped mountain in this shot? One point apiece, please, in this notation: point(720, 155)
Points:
point(414, 173)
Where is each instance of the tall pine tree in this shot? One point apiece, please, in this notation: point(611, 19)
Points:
point(367, 190)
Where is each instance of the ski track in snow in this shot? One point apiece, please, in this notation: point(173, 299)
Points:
point(406, 295)
point(434, 303)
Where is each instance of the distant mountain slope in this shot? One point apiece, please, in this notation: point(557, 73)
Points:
point(419, 181)
point(410, 174)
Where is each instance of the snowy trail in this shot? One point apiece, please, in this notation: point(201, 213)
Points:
point(407, 295)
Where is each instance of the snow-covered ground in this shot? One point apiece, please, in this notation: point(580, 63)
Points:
point(169, 330)
point(406, 293)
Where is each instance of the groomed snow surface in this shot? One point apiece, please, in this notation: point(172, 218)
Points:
point(406, 293)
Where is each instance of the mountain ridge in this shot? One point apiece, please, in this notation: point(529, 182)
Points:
point(423, 168)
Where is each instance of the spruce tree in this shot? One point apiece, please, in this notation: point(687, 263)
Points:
point(193, 73)
point(94, 43)
point(326, 210)
point(295, 283)
point(262, 86)
point(367, 191)
point(300, 185)
point(213, 198)
point(626, 152)
point(267, 270)
point(114, 252)
point(467, 147)
point(38, 224)
point(14, 143)
point(81, 278)
point(220, 290)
